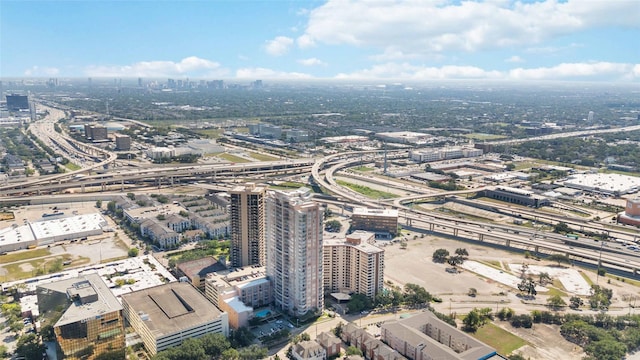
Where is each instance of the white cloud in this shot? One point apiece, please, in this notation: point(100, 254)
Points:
point(190, 66)
point(312, 62)
point(547, 50)
point(412, 72)
point(278, 46)
point(305, 41)
point(514, 59)
point(573, 71)
point(421, 27)
point(41, 71)
point(594, 70)
point(264, 73)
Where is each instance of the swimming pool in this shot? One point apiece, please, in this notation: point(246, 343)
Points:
point(263, 313)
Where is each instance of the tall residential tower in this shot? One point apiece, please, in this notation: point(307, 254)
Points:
point(247, 225)
point(294, 251)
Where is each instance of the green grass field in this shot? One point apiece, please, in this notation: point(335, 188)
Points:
point(287, 185)
point(262, 157)
point(31, 268)
point(24, 255)
point(232, 158)
point(362, 168)
point(210, 133)
point(501, 340)
point(73, 167)
point(367, 191)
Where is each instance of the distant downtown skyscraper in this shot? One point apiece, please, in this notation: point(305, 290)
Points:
point(247, 225)
point(294, 251)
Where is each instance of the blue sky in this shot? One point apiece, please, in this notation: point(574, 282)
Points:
point(594, 40)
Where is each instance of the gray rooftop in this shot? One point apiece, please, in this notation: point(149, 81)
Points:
point(172, 307)
point(91, 297)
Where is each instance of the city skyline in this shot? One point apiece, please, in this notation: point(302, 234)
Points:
point(348, 40)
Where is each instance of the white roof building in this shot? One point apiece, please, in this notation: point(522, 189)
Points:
point(611, 184)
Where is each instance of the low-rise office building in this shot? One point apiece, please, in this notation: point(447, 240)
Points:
point(516, 196)
point(380, 221)
point(164, 316)
point(89, 317)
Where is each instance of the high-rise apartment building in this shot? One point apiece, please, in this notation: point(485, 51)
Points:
point(247, 225)
point(294, 251)
point(353, 265)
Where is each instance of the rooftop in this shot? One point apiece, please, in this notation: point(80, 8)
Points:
point(172, 307)
point(201, 267)
point(91, 296)
point(375, 212)
point(67, 226)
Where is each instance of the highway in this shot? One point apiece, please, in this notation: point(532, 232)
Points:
point(566, 134)
point(167, 175)
point(611, 256)
point(45, 131)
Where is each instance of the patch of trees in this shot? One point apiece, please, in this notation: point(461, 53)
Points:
point(442, 255)
point(333, 226)
point(29, 347)
point(447, 186)
point(183, 159)
point(205, 248)
point(601, 335)
point(413, 295)
point(211, 346)
point(476, 318)
point(585, 151)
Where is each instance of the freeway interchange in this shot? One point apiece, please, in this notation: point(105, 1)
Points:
point(323, 174)
point(607, 254)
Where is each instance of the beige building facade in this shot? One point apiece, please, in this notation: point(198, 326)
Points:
point(353, 265)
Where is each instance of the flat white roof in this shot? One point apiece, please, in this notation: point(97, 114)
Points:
point(12, 235)
point(364, 247)
point(375, 212)
point(608, 183)
point(237, 305)
point(68, 226)
point(144, 270)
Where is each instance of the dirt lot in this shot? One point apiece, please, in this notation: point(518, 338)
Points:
point(414, 265)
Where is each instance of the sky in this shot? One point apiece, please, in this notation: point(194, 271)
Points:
point(590, 40)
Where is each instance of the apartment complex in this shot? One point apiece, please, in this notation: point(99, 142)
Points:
point(380, 221)
point(247, 225)
point(238, 292)
point(90, 322)
point(353, 265)
point(425, 337)
point(294, 251)
point(166, 315)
